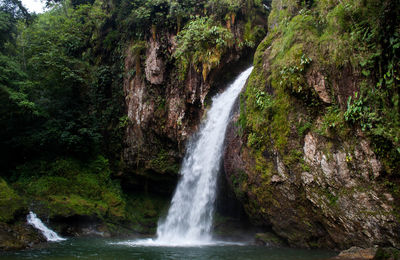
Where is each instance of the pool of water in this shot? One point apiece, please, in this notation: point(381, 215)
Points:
point(98, 248)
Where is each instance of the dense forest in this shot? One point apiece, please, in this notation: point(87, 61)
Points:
point(99, 98)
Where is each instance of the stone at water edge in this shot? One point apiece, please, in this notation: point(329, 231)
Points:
point(18, 236)
point(269, 239)
point(356, 253)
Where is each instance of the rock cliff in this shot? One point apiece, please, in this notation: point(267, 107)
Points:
point(293, 156)
point(164, 109)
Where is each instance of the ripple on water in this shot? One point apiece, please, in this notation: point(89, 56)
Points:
point(146, 249)
point(156, 243)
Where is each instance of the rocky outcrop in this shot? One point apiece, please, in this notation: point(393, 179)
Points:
point(301, 161)
point(269, 239)
point(155, 67)
point(18, 235)
point(15, 233)
point(356, 253)
point(291, 157)
point(326, 194)
point(164, 110)
point(318, 82)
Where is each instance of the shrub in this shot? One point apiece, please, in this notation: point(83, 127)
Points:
point(201, 44)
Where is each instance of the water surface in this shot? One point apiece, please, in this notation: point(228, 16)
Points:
point(98, 248)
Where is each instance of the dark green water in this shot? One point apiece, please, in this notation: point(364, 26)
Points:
point(105, 249)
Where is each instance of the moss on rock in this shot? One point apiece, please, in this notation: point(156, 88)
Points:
point(10, 202)
point(387, 253)
point(67, 187)
point(298, 140)
point(269, 239)
point(144, 211)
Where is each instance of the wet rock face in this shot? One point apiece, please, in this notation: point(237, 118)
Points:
point(295, 163)
point(332, 199)
point(163, 111)
point(316, 80)
point(155, 66)
point(149, 141)
point(18, 235)
point(354, 202)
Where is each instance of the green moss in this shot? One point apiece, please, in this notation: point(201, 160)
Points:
point(387, 254)
point(303, 127)
point(73, 204)
point(144, 211)
point(293, 158)
point(333, 123)
point(269, 239)
point(332, 199)
point(239, 180)
point(10, 202)
point(266, 115)
point(242, 122)
point(201, 44)
point(261, 48)
point(252, 34)
point(164, 163)
point(67, 187)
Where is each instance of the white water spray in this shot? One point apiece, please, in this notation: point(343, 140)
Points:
point(49, 234)
point(190, 215)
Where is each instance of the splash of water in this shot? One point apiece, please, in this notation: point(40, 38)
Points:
point(49, 234)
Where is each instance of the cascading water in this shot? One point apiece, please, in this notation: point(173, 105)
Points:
point(49, 234)
point(190, 215)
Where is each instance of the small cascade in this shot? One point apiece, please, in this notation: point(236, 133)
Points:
point(190, 215)
point(49, 234)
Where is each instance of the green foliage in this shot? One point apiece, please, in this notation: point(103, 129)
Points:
point(387, 254)
point(124, 121)
point(57, 99)
point(164, 163)
point(137, 18)
point(303, 128)
point(264, 101)
point(254, 140)
point(333, 123)
point(61, 94)
point(150, 13)
point(14, 84)
point(201, 44)
point(67, 187)
point(370, 42)
point(329, 37)
point(252, 34)
point(358, 112)
point(225, 10)
point(332, 199)
point(10, 202)
point(238, 180)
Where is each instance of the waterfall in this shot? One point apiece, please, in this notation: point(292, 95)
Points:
point(38, 224)
point(190, 215)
